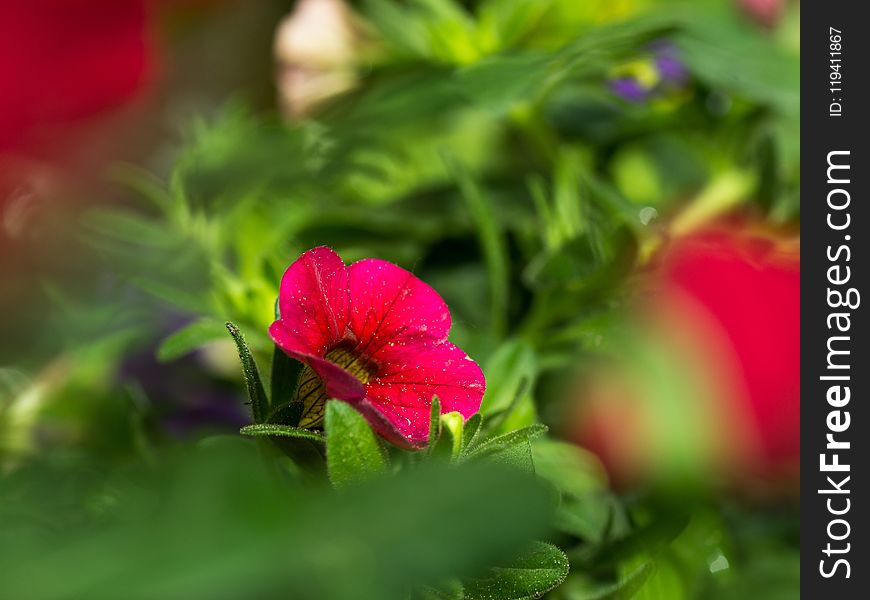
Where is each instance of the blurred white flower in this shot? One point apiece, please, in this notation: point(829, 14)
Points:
point(314, 49)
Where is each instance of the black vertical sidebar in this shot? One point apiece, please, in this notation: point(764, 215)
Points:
point(835, 224)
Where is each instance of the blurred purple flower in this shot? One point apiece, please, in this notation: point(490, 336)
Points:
point(629, 88)
point(183, 398)
point(669, 64)
point(662, 69)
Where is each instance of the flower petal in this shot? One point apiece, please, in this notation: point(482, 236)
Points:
point(313, 303)
point(389, 305)
point(339, 383)
point(413, 374)
point(383, 425)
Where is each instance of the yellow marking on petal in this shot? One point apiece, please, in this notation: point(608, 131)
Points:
point(312, 391)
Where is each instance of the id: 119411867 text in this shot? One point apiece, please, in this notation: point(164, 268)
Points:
point(835, 75)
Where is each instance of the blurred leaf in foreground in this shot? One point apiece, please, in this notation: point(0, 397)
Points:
point(214, 525)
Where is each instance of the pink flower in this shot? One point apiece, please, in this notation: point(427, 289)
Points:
point(766, 13)
point(375, 336)
point(64, 62)
point(723, 311)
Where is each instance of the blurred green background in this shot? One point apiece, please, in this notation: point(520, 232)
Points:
point(526, 158)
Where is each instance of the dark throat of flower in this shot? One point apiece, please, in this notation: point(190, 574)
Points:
point(311, 391)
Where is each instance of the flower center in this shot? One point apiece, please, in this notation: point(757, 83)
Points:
point(311, 390)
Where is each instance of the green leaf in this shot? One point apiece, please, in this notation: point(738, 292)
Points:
point(583, 588)
point(253, 383)
point(512, 449)
point(353, 453)
point(510, 373)
point(270, 429)
point(223, 528)
point(583, 263)
point(725, 191)
point(190, 338)
point(600, 47)
point(522, 414)
point(434, 424)
point(570, 468)
point(450, 590)
point(505, 441)
point(517, 456)
point(492, 242)
point(593, 518)
point(128, 226)
point(663, 582)
point(144, 183)
point(285, 372)
point(498, 83)
point(173, 295)
point(726, 53)
point(539, 570)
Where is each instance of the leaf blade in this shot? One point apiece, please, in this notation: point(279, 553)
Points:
point(275, 429)
point(353, 453)
point(253, 383)
point(539, 570)
point(189, 338)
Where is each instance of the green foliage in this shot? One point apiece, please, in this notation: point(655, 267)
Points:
point(538, 570)
point(256, 393)
point(212, 523)
point(482, 149)
point(271, 429)
point(499, 443)
point(588, 511)
point(471, 430)
point(190, 338)
point(492, 243)
point(353, 452)
point(511, 374)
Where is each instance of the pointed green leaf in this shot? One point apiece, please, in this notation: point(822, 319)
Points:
point(173, 295)
point(539, 570)
point(497, 83)
point(270, 429)
point(434, 424)
point(492, 242)
point(502, 442)
point(517, 456)
point(189, 338)
point(353, 453)
point(256, 393)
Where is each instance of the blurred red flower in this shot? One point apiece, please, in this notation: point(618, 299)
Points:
point(766, 13)
point(724, 309)
point(64, 61)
